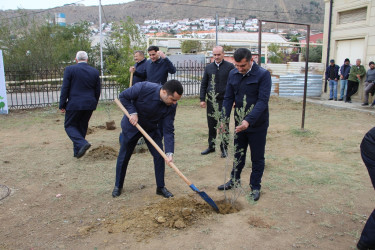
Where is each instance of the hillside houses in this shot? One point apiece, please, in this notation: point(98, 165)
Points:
point(224, 24)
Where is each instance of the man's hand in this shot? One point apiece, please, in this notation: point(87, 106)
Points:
point(336, 79)
point(359, 77)
point(170, 159)
point(161, 54)
point(133, 119)
point(62, 110)
point(132, 69)
point(203, 104)
point(341, 77)
point(244, 125)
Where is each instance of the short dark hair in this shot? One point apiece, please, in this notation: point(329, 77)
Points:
point(140, 52)
point(152, 47)
point(370, 63)
point(347, 60)
point(242, 53)
point(173, 86)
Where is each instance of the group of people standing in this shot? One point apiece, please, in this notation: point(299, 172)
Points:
point(152, 103)
point(350, 77)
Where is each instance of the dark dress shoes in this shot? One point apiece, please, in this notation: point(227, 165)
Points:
point(229, 185)
point(255, 194)
point(207, 151)
point(164, 192)
point(116, 192)
point(82, 151)
point(224, 154)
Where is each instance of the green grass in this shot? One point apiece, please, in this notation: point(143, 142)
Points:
point(303, 132)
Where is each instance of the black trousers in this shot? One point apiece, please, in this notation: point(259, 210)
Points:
point(76, 124)
point(126, 151)
point(212, 123)
point(352, 89)
point(257, 143)
point(368, 233)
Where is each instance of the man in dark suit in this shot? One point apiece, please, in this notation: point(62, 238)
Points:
point(79, 97)
point(219, 71)
point(140, 65)
point(148, 103)
point(252, 83)
point(157, 67)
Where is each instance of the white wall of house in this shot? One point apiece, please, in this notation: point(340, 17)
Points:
point(352, 33)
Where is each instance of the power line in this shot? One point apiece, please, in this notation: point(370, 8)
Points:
point(103, 14)
point(220, 7)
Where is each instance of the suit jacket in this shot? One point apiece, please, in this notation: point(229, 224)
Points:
point(256, 85)
point(157, 71)
point(140, 67)
point(221, 77)
point(81, 88)
point(144, 99)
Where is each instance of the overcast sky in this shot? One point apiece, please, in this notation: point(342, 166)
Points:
point(46, 4)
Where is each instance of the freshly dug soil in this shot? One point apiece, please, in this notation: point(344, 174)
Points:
point(111, 125)
point(175, 213)
point(102, 153)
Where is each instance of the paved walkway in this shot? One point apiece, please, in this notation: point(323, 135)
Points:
point(354, 106)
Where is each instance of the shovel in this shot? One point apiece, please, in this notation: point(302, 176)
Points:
point(131, 79)
point(171, 164)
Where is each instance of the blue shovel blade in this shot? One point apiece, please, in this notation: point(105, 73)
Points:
point(205, 197)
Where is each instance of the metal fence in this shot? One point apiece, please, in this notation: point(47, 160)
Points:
point(32, 86)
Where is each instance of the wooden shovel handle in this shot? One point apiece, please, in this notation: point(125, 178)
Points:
point(171, 164)
point(131, 79)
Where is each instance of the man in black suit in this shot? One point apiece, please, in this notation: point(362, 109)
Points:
point(219, 71)
point(250, 83)
point(157, 68)
point(148, 103)
point(79, 97)
point(140, 64)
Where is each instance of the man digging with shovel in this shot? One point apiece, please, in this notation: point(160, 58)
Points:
point(147, 104)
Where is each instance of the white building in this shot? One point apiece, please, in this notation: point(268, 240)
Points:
point(352, 32)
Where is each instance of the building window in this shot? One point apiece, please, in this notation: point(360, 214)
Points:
point(352, 16)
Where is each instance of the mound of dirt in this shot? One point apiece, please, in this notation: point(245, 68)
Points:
point(93, 129)
point(176, 213)
point(102, 153)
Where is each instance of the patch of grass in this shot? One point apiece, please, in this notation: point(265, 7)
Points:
point(331, 209)
point(189, 101)
point(326, 224)
point(302, 132)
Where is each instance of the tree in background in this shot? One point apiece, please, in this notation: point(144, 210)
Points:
point(228, 47)
point(191, 46)
point(120, 47)
point(297, 48)
point(276, 56)
point(315, 53)
point(27, 42)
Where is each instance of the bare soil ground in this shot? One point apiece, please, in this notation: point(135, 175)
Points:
point(316, 192)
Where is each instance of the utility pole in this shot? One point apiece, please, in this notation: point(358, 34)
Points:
point(101, 38)
point(216, 22)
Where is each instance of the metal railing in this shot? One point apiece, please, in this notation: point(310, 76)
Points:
point(32, 87)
